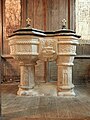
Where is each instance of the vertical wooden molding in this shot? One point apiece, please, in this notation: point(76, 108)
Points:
point(74, 15)
point(4, 27)
point(33, 13)
point(0, 49)
point(69, 14)
point(2, 24)
point(23, 12)
point(45, 12)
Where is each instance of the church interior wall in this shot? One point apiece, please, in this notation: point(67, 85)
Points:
point(47, 15)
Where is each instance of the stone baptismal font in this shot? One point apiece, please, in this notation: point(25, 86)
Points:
point(28, 45)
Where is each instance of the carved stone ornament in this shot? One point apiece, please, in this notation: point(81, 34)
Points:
point(48, 50)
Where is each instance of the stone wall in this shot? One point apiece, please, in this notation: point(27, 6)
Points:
point(10, 70)
point(83, 19)
point(81, 71)
point(81, 68)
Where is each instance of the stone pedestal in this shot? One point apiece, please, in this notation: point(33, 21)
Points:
point(64, 83)
point(66, 53)
point(26, 79)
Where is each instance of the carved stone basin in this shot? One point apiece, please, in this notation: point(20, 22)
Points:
point(27, 45)
point(24, 44)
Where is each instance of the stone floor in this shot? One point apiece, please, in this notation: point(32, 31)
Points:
point(45, 107)
point(44, 89)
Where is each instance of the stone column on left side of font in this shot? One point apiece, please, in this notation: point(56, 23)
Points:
point(27, 78)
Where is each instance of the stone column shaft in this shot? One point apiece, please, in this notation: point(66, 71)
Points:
point(64, 83)
point(27, 82)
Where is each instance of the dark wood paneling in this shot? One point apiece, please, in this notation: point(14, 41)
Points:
point(1, 26)
point(72, 14)
point(36, 10)
point(1, 44)
point(57, 11)
point(69, 14)
point(0, 49)
point(30, 11)
point(39, 14)
point(23, 13)
point(5, 42)
point(47, 14)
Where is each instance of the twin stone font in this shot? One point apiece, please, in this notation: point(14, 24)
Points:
point(28, 45)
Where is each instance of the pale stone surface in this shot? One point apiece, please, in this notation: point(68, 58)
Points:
point(41, 89)
point(25, 50)
point(28, 49)
point(83, 20)
point(27, 80)
point(27, 72)
point(45, 107)
point(67, 51)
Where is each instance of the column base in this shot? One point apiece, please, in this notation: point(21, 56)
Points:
point(22, 92)
point(30, 92)
point(66, 93)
